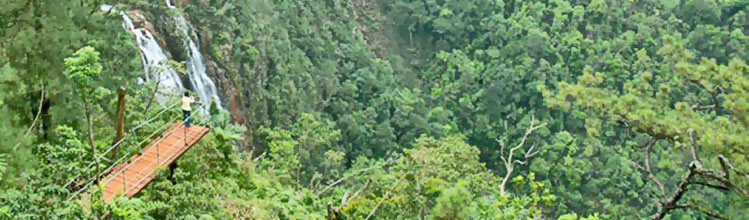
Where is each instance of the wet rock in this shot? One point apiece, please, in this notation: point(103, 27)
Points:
point(139, 20)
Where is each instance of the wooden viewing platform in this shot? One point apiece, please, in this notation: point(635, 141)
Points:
point(131, 176)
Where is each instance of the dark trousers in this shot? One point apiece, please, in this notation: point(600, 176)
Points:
point(186, 117)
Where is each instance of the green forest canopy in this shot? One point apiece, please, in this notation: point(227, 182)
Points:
point(393, 109)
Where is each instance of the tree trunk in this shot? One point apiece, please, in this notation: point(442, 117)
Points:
point(46, 119)
point(120, 126)
point(91, 138)
point(153, 95)
point(502, 186)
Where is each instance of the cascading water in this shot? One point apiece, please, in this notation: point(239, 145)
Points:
point(153, 57)
point(154, 60)
point(201, 83)
point(169, 4)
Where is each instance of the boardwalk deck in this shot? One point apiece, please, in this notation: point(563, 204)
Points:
point(128, 178)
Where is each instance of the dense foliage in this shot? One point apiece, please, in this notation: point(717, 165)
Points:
point(392, 109)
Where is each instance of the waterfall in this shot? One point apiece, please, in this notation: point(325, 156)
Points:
point(169, 4)
point(153, 57)
point(201, 83)
point(154, 60)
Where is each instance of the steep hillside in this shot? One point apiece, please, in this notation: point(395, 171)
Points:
point(387, 109)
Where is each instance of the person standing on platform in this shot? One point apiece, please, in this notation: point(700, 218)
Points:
point(186, 108)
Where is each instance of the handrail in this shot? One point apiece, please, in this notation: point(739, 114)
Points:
point(158, 142)
point(146, 149)
point(158, 163)
point(157, 145)
point(123, 169)
point(140, 126)
point(141, 180)
point(140, 143)
point(115, 163)
point(130, 134)
point(167, 159)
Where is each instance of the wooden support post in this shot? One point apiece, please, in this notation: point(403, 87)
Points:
point(172, 167)
point(184, 136)
point(120, 125)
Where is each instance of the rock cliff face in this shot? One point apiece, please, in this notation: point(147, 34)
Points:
point(221, 54)
point(213, 58)
point(140, 20)
point(164, 34)
point(247, 66)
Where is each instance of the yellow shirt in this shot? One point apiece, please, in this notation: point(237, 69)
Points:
point(186, 101)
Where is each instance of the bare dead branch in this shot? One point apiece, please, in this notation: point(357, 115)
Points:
point(705, 211)
point(502, 146)
point(38, 111)
point(715, 179)
point(636, 165)
point(528, 131)
point(358, 193)
point(724, 167)
point(507, 159)
point(335, 213)
point(703, 107)
point(720, 187)
point(724, 161)
point(694, 169)
point(344, 198)
point(312, 182)
point(649, 170)
point(153, 95)
point(344, 178)
point(720, 177)
point(713, 214)
point(387, 195)
point(713, 94)
point(36, 118)
point(669, 204)
point(693, 147)
point(92, 142)
point(530, 153)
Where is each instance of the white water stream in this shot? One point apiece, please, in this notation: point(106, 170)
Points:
point(169, 4)
point(154, 61)
point(201, 83)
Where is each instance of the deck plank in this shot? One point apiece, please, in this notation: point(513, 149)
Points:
point(142, 166)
